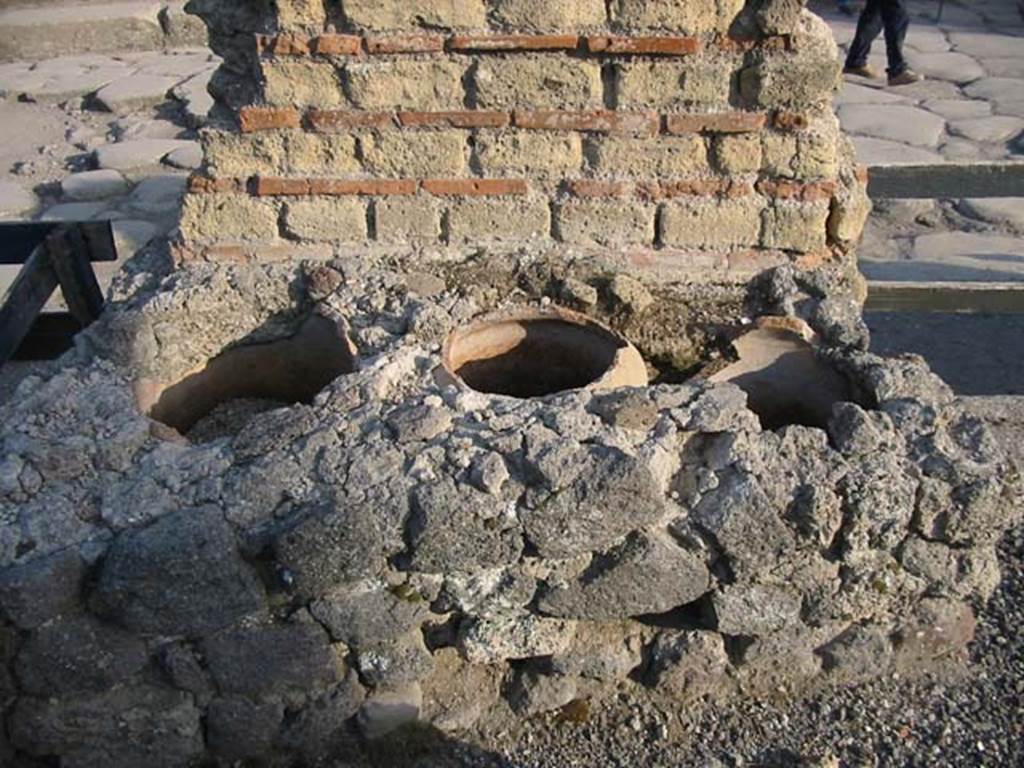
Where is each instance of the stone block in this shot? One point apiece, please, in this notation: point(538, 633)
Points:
point(415, 154)
point(402, 14)
point(548, 15)
point(755, 609)
point(484, 219)
point(605, 222)
point(675, 16)
point(308, 15)
point(228, 217)
point(537, 155)
point(740, 153)
point(783, 81)
point(275, 660)
point(315, 154)
point(238, 729)
point(794, 226)
point(712, 223)
point(778, 154)
point(674, 85)
point(543, 82)
point(405, 84)
point(301, 83)
point(668, 156)
point(42, 589)
point(407, 219)
point(229, 154)
point(342, 219)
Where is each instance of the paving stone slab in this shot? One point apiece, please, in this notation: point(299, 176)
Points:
point(1014, 107)
point(958, 109)
point(1004, 66)
point(135, 92)
point(41, 33)
point(951, 66)
point(187, 158)
point(62, 80)
point(855, 93)
point(995, 210)
point(136, 153)
point(94, 185)
point(995, 128)
point(926, 39)
point(158, 194)
point(990, 44)
point(961, 256)
point(960, 150)
point(15, 199)
point(893, 122)
point(73, 212)
point(195, 96)
point(996, 89)
point(872, 151)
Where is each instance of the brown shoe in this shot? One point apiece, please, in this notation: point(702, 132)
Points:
point(906, 77)
point(864, 71)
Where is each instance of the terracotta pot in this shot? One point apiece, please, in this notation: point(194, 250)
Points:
point(291, 370)
point(531, 352)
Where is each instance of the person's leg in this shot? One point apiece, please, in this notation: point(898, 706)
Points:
point(869, 25)
point(896, 21)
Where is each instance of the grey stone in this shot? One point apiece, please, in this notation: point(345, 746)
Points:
point(996, 89)
point(77, 654)
point(42, 589)
point(55, 30)
point(856, 432)
point(532, 693)
point(967, 255)
point(330, 545)
point(182, 668)
point(94, 185)
point(127, 155)
point(388, 710)
point(755, 609)
point(158, 194)
point(240, 729)
point(396, 662)
point(515, 636)
point(602, 651)
point(859, 653)
point(489, 473)
point(628, 295)
point(15, 199)
point(135, 92)
point(958, 109)
point(264, 660)
point(73, 212)
point(996, 210)
point(319, 727)
point(689, 663)
point(648, 573)
point(854, 93)
point(954, 67)
point(872, 151)
point(180, 576)
point(131, 236)
point(419, 423)
point(896, 122)
point(990, 129)
point(745, 523)
point(370, 613)
point(195, 96)
point(456, 527)
point(611, 495)
point(123, 727)
point(187, 158)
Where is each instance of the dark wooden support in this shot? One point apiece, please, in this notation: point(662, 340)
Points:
point(948, 180)
point(53, 254)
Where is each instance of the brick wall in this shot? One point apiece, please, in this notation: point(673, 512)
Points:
point(696, 130)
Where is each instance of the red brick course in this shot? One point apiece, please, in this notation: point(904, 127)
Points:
point(252, 119)
point(722, 122)
point(363, 187)
point(422, 43)
point(599, 121)
point(326, 120)
point(464, 43)
point(465, 119)
point(594, 188)
point(664, 46)
point(475, 187)
point(338, 45)
point(793, 190)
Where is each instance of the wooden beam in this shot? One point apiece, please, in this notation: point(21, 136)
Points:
point(19, 239)
point(24, 299)
point(950, 180)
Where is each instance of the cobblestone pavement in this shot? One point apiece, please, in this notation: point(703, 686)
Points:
point(969, 107)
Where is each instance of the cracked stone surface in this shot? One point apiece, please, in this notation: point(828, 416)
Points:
point(332, 558)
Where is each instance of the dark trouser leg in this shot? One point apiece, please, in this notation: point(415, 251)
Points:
point(894, 16)
point(869, 25)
